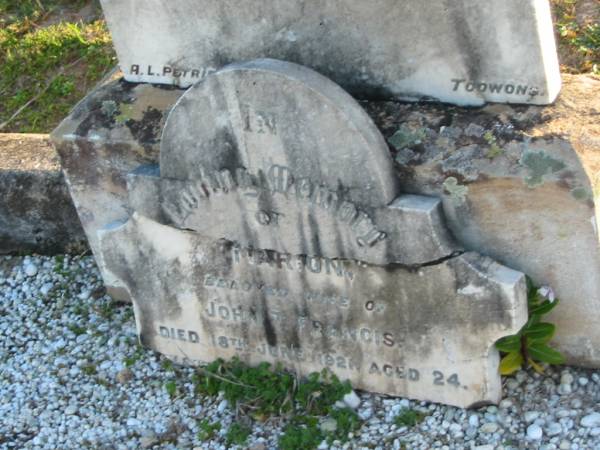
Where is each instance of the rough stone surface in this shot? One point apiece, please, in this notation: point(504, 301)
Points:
point(425, 331)
point(546, 230)
point(36, 210)
point(523, 193)
point(115, 130)
point(464, 52)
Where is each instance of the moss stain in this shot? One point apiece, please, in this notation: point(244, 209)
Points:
point(581, 194)
point(125, 114)
point(538, 165)
point(457, 191)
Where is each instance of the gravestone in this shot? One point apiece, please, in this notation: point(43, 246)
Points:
point(465, 52)
point(273, 230)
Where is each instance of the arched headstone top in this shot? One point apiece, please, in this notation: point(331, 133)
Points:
point(267, 113)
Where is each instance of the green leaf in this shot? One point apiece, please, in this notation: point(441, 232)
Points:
point(533, 320)
point(541, 352)
point(511, 363)
point(540, 332)
point(509, 344)
point(538, 368)
point(544, 308)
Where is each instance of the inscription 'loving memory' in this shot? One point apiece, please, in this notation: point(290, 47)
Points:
point(276, 180)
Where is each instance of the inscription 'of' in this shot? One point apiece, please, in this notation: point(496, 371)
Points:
point(277, 180)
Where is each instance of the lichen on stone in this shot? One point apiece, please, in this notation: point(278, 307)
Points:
point(538, 165)
point(405, 137)
point(457, 191)
point(109, 108)
point(581, 194)
point(126, 112)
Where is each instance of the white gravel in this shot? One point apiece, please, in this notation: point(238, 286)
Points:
point(72, 376)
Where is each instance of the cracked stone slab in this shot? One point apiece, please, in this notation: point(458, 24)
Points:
point(426, 334)
point(466, 52)
point(209, 277)
point(293, 163)
point(547, 231)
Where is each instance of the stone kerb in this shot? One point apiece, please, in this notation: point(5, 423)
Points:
point(425, 331)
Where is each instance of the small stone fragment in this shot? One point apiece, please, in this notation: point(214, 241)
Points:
point(530, 416)
point(328, 425)
point(489, 427)
point(534, 432)
point(352, 400)
point(591, 420)
point(124, 376)
point(30, 270)
point(553, 429)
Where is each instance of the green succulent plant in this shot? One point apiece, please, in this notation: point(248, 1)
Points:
point(530, 345)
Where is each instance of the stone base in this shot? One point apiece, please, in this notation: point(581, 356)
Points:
point(36, 210)
point(517, 182)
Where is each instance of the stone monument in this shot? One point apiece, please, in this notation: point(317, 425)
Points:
point(460, 51)
point(273, 230)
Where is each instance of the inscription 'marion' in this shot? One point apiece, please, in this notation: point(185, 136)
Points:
point(276, 180)
point(297, 263)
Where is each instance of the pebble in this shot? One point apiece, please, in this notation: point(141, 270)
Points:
point(553, 429)
point(70, 410)
point(591, 420)
point(566, 378)
point(328, 425)
point(565, 389)
point(46, 288)
point(534, 432)
point(222, 406)
point(530, 416)
point(474, 420)
point(49, 399)
point(489, 427)
point(30, 270)
point(352, 400)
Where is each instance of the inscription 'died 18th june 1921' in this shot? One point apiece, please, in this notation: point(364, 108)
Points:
point(297, 355)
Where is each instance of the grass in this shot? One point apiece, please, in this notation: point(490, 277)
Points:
point(578, 35)
point(409, 418)
point(46, 66)
point(258, 393)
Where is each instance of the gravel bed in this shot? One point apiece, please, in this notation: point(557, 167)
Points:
point(73, 376)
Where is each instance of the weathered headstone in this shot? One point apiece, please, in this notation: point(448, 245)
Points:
point(465, 51)
point(282, 280)
point(294, 164)
point(485, 164)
